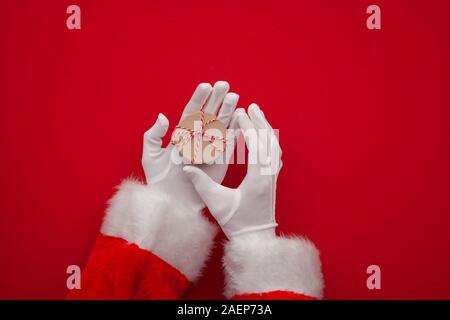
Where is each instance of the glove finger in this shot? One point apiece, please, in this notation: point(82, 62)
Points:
point(153, 136)
point(264, 131)
point(219, 91)
point(251, 137)
point(232, 132)
point(269, 139)
point(267, 134)
point(228, 106)
point(256, 116)
point(221, 201)
point(198, 99)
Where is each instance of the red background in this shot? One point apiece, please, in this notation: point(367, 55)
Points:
point(363, 116)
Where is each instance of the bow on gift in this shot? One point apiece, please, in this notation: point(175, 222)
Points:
point(183, 135)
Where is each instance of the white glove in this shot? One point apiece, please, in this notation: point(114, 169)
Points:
point(164, 217)
point(251, 207)
point(165, 174)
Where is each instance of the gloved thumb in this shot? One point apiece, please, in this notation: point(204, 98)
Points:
point(221, 201)
point(152, 138)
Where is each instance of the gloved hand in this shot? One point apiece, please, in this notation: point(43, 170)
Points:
point(164, 216)
point(163, 166)
point(251, 207)
point(257, 263)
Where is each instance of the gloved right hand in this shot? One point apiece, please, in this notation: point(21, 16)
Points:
point(250, 208)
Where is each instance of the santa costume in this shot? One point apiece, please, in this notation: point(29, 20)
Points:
point(162, 263)
point(155, 240)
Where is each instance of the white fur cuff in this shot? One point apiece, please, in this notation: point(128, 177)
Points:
point(155, 222)
point(257, 264)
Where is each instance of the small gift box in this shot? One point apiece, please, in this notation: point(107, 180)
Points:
point(200, 138)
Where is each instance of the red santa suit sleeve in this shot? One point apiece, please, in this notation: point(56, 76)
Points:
point(264, 267)
point(149, 247)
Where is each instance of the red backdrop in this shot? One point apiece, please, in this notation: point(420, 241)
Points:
point(363, 116)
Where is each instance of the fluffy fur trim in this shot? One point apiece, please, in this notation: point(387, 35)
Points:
point(257, 264)
point(152, 220)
